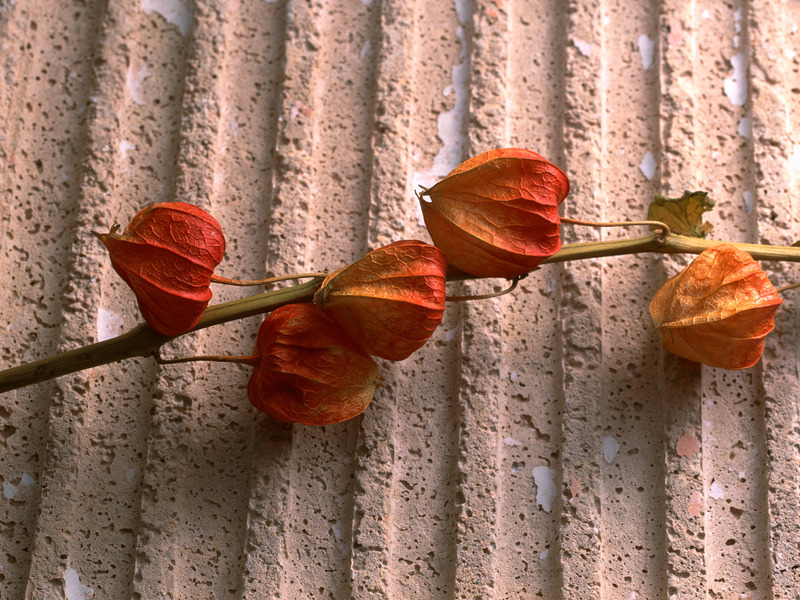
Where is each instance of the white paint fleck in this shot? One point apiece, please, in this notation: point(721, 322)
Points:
point(631, 596)
point(73, 589)
point(794, 161)
point(552, 285)
point(749, 201)
point(706, 14)
point(646, 50)
point(735, 86)
point(365, 49)
point(513, 377)
point(716, 491)
point(584, 48)
point(546, 491)
point(509, 441)
point(27, 480)
point(130, 474)
point(175, 12)
point(9, 490)
point(109, 324)
point(271, 1)
point(450, 334)
point(337, 531)
point(544, 554)
point(517, 467)
point(366, 2)
point(449, 123)
point(742, 475)
point(610, 448)
point(745, 128)
point(124, 147)
point(648, 165)
point(134, 81)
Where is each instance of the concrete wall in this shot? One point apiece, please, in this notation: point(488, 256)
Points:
point(541, 445)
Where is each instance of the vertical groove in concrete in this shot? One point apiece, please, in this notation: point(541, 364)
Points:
point(425, 441)
point(732, 410)
point(391, 201)
point(481, 389)
point(334, 135)
point(44, 137)
point(580, 311)
point(633, 544)
point(250, 82)
point(681, 378)
point(477, 472)
point(774, 77)
point(529, 437)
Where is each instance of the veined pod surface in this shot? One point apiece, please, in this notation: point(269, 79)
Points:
point(307, 370)
point(392, 300)
point(167, 255)
point(718, 310)
point(496, 215)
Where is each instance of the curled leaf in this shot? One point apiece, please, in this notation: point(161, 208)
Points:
point(307, 370)
point(390, 301)
point(718, 310)
point(683, 215)
point(167, 255)
point(496, 215)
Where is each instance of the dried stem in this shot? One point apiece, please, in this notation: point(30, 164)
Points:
point(144, 341)
point(268, 280)
point(786, 288)
point(502, 292)
point(241, 360)
point(662, 226)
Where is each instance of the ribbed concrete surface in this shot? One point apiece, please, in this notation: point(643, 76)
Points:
point(541, 446)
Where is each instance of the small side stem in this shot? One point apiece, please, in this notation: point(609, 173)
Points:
point(786, 288)
point(268, 280)
point(242, 360)
point(502, 292)
point(662, 226)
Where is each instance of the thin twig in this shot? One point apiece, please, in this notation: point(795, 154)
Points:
point(241, 360)
point(662, 226)
point(268, 280)
point(785, 288)
point(502, 292)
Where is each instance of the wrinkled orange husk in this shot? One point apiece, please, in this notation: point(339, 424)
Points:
point(496, 215)
point(391, 301)
point(308, 370)
point(167, 256)
point(718, 310)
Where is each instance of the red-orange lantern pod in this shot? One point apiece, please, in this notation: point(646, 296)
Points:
point(391, 301)
point(496, 215)
point(167, 255)
point(307, 370)
point(718, 310)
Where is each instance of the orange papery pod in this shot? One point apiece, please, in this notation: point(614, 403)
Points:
point(496, 215)
point(391, 301)
point(307, 370)
point(167, 255)
point(718, 310)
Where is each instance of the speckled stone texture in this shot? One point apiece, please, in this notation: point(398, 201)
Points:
point(540, 446)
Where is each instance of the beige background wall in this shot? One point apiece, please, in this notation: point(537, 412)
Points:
point(539, 446)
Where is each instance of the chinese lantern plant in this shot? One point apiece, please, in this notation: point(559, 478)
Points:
point(306, 369)
point(718, 310)
point(390, 301)
point(495, 215)
point(167, 256)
